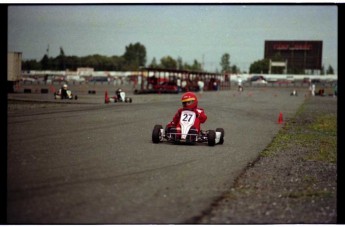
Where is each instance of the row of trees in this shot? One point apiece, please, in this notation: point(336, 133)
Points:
point(134, 58)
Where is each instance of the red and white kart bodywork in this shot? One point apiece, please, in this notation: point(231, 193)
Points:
point(121, 97)
point(185, 132)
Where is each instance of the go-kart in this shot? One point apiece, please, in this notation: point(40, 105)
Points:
point(185, 132)
point(121, 97)
point(294, 93)
point(58, 95)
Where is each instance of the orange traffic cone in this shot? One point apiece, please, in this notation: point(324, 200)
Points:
point(106, 98)
point(280, 118)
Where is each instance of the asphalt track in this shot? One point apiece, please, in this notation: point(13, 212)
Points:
point(94, 163)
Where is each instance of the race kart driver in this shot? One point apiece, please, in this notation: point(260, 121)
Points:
point(189, 102)
point(64, 94)
point(118, 94)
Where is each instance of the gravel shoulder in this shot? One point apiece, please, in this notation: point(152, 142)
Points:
point(294, 180)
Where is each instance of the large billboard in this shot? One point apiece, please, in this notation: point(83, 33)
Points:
point(300, 54)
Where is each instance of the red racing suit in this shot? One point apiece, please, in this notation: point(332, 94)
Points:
point(201, 117)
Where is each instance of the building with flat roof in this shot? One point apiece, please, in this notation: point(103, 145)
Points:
point(300, 55)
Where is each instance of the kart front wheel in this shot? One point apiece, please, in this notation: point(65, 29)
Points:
point(156, 133)
point(221, 130)
point(211, 138)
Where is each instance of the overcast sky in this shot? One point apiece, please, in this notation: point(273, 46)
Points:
point(201, 32)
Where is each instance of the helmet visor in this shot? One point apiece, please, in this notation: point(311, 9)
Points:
point(187, 103)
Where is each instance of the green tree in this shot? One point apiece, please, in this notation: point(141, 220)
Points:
point(88, 61)
point(322, 70)
point(186, 66)
point(179, 63)
point(294, 70)
point(225, 62)
point(330, 70)
point(235, 69)
point(135, 56)
point(45, 62)
point(59, 62)
point(153, 63)
point(168, 62)
point(31, 65)
point(72, 62)
point(260, 66)
point(117, 63)
point(196, 66)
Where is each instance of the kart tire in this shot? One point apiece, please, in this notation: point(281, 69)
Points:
point(156, 134)
point(221, 130)
point(130, 100)
point(211, 138)
point(76, 97)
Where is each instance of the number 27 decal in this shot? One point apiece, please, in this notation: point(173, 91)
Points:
point(187, 117)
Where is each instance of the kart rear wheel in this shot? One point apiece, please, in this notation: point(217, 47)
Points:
point(156, 134)
point(221, 130)
point(211, 138)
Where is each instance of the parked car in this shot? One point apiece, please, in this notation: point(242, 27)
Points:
point(257, 79)
point(166, 87)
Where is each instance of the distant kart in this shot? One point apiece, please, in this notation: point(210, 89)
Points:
point(57, 95)
point(121, 97)
point(187, 133)
point(294, 93)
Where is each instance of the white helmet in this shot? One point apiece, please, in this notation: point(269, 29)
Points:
point(65, 86)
